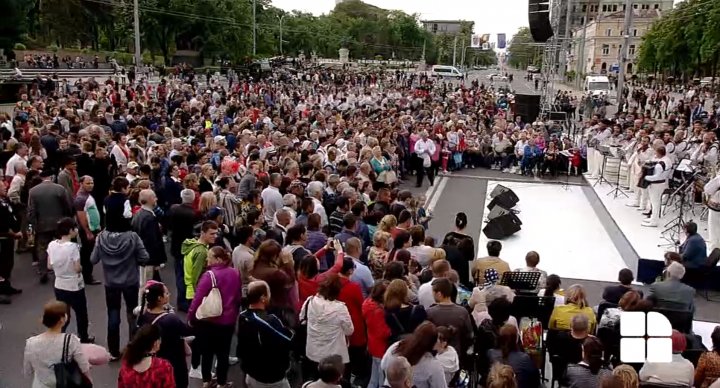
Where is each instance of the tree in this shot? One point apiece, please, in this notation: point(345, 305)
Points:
point(15, 23)
point(522, 52)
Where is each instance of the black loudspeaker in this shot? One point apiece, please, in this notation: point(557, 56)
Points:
point(539, 18)
point(504, 197)
point(503, 226)
point(497, 211)
point(527, 106)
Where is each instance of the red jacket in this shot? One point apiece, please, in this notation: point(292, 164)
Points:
point(351, 295)
point(378, 331)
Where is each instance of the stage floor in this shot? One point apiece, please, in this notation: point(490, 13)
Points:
point(561, 225)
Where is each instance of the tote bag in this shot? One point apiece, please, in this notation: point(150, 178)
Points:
point(212, 305)
point(67, 371)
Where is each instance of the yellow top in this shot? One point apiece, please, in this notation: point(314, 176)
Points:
point(480, 265)
point(561, 317)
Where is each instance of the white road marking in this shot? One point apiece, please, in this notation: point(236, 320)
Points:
point(438, 192)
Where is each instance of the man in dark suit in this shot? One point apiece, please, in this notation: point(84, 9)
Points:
point(671, 293)
point(147, 226)
point(48, 202)
point(181, 221)
point(612, 294)
point(694, 249)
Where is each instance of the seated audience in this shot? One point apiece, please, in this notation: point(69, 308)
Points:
point(501, 376)
point(708, 367)
point(671, 293)
point(492, 260)
point(612, 294)
point(588, 372)
point(417, 349)
point(532, 259)
point(626, 376)
point(678, 372)
point(483, 294)
point(509, 351)
point(611, 315)
point(693, 250)
point(566, 347)
point(575, 303)
point(552, 288)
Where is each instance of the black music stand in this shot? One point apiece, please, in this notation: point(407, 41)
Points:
point(602, 178)
point(522, 282)
point(617, 190)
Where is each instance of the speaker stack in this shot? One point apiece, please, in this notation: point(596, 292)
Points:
point(539, 18)
point(502, 221)
point(527, 106)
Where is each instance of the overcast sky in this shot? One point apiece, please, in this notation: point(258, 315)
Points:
point(490, 16)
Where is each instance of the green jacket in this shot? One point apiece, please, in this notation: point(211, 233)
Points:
point(194, 262)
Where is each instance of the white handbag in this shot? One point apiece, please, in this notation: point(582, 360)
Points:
point(212, 305)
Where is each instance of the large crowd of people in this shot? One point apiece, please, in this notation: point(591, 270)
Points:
point(278, 208)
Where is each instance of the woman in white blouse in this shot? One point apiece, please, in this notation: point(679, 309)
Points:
point(328, 323)
point(120, 151)
point(46, 349)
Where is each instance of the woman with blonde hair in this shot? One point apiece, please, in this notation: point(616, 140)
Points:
point(501, 376)
point(575, 303)
point(208, 201)
point(387, 223)
point(627, 376)
point(378, 253)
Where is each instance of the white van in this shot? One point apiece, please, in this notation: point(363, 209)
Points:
point(597, 85)
point(446, 71)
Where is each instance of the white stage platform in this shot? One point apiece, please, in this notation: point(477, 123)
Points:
point(562, 227)
point(648, 243)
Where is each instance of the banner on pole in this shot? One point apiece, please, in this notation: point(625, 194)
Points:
point(476, 41)
point(501, 43)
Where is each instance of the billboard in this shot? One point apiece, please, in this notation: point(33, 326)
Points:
point(479, 41)
point(501, 42)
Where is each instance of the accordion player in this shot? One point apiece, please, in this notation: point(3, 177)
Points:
point(647, 169)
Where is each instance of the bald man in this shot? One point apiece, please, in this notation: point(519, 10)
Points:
point(145, 223)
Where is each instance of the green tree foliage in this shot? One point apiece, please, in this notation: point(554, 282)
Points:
point(684, 42)
point(222, 29)
point(522, 52)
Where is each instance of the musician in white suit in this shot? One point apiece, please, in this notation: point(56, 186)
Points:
point(603, 134)
point(643, 153)
point(712, 191)
point(658, 182)
point(707, 153)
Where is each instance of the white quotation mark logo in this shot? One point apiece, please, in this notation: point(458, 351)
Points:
point(645, 337)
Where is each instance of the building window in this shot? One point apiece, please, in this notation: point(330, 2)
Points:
point(584, 7)
point(645, 6)
point(604, 8)
point(434, 28)
point(656, 6)
point(634, 31)
point(635, 6)
point(631, 49)
point(624, 7)
point(605, 49)
point(608, 32)
point(614, 7)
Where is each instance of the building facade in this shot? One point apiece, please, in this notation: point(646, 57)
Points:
point(604, 41)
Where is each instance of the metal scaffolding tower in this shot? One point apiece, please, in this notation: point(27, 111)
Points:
point(553, 48)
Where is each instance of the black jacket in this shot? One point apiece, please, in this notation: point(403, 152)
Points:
point(181, 220)
point(264, 345)
point(146, 225)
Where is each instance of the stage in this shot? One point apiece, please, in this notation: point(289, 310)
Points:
point(582, 233)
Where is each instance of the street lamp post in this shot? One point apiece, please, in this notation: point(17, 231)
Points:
point(281, 35)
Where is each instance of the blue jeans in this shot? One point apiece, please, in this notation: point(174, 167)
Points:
point(113, 300)
point(377, 377)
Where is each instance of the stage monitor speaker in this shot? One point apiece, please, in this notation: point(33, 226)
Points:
point(527, 106)
point(539, 18)
point(497, 211)
point(503, 226)
point(504, 197)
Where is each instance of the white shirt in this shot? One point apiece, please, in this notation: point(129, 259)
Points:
point(62, 256)
point(678, 372)
point(272, 202)
point(425, 147)
point(320, 209)
point(425, 294)
point(10, 167)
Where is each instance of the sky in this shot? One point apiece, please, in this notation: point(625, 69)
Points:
point(490, 16)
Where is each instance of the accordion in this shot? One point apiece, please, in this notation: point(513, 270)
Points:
point(647, 169)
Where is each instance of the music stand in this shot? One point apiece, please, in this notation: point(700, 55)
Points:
point(605, 151)
point(617, 190)
point(523, 282)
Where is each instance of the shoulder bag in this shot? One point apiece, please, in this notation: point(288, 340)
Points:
point(300, 337)
point(211, 305)
point(67, 371)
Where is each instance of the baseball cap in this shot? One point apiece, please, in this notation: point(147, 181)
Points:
point(214, 212)
point(132, 165)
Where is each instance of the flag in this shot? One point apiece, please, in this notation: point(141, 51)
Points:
point(485, 38)
point(476, 41)
point(501, 43)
